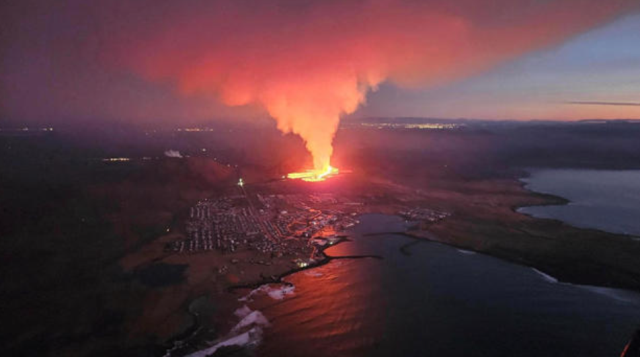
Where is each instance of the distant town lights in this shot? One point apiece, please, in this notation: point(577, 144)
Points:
point(112, 159)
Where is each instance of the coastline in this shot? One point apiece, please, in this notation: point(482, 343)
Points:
point(612, 293)
point(551, 246)
point(470, 227)
point(189, 336)
point(277, 279)
point(556, 200)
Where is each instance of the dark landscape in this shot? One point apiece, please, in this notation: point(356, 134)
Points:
point(90, 236)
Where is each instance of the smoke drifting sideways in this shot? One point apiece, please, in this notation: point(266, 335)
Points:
point(309, 62)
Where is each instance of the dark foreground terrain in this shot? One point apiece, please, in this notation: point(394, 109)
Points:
point(84, 267)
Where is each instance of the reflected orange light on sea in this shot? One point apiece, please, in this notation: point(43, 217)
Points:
point(326, 309)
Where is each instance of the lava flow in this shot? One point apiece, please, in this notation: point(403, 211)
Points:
point(314, 175)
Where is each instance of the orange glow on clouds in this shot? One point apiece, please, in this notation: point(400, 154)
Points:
point(308, 63)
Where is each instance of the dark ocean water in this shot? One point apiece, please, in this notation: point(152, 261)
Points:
point(600, 199)
point(439, 301)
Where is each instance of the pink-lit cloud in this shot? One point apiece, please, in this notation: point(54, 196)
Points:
point(306, 63)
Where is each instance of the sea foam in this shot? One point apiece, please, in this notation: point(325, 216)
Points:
point(276, 293)
point(246, 333)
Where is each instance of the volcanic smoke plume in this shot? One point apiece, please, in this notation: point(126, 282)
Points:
point(309, 62)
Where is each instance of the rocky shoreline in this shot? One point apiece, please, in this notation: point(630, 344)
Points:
point(181, 345)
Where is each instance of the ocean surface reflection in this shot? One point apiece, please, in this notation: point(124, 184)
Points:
point(439, 301)
point(601, 199)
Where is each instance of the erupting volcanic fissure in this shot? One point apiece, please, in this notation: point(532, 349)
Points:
point(314, 175)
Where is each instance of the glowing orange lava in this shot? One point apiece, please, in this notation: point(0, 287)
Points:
point(314, 175)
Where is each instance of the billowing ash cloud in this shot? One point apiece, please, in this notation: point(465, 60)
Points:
point(173, 153)
point(307, 62)
point(310, 62)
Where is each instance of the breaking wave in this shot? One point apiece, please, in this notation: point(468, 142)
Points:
point(276, 293)
point(246, 333)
